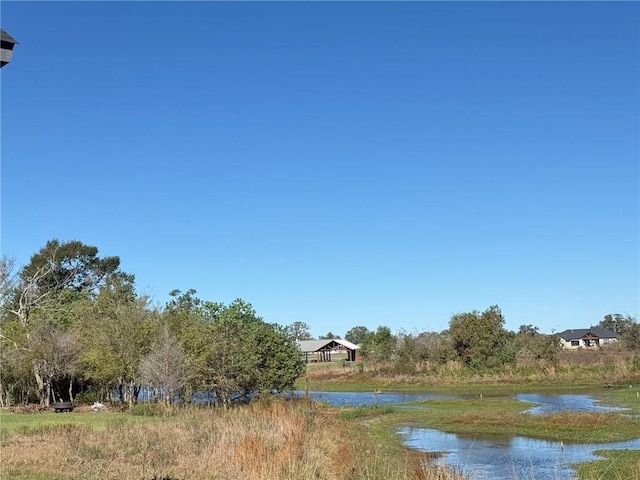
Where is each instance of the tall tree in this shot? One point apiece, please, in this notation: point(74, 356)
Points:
point(299, 331)
point(164, 366)
point(480, 338)
point(71, 268)
point(357, 334)
point(117, 334)
point(243, 356)
point(630, 338)
point(617, 322)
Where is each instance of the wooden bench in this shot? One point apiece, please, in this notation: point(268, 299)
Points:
point(62, 407)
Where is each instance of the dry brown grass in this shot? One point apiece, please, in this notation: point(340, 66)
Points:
point(272, 441)
point(581, 367)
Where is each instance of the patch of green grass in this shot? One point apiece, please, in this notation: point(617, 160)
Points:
point(365, 411)
point(506, 416)
point(624, 397)
point(33, 424)
point(617, 465)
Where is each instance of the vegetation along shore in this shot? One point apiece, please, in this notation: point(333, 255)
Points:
point(197, 389)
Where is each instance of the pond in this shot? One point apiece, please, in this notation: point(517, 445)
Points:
point(545, 403)
point(563, 403)
point(356, 399)
point(495, 457)
point(499, 457)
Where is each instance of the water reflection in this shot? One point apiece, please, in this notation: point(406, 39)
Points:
point(356, 399)
point(546, 404)
point(563, 403)
point(504, 457)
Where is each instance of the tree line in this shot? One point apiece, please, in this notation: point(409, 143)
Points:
point(478, 340)
point(72, 325)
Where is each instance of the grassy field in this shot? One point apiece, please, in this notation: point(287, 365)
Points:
point(617, 465)
point(300, 440)
point(285, 440)
point(270, 440)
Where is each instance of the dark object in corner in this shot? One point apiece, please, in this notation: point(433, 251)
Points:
point(6, 52)
point(62, 407)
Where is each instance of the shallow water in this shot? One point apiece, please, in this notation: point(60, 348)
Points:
point(563, 403)
point(501, 457)
point(546, 403)
point(357, 399)
point(495, 457)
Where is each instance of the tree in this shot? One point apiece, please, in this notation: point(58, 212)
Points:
point(529, 343)
point(379, 345)
point(54, 355)
point(630, 339)
point(299, 331)
point(414, 350)
point(357, 334)
point(117, 333)
point(480, 338)
point(617, 323)
point(529, 330)
point(244, 356)
point(164, 366)
point(69, 267)
point(329, 336)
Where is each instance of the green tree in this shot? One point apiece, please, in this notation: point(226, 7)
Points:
point(117, 334)
point(529, 343)
point(62, 267)
point(480, 338)
point(379, 345)
point(528, 330)
point(357, 334)
point(617, 322)
point(329, 336)
point(630, 339)
point(299, 331)
point(415, 350)
point(243, 356)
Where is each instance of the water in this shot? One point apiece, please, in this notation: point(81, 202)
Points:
point(357, 399)
point(502, 457)
point(495, 457)
point(563, 403)
point(545, 403)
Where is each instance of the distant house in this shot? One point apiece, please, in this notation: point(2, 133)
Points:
point(321, 350)
point(587, 338)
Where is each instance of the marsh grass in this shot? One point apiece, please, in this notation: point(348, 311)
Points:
point(617, 465)
point(268, 441)
point(505, 416)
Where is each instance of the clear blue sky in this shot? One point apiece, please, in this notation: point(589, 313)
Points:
point(335, 163)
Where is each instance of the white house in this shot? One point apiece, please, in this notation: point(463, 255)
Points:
point(587, 338)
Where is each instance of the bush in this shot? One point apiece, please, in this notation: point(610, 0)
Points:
point(146, 410)
point(86, 398)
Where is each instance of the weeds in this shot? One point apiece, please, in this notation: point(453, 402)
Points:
point(270, 440)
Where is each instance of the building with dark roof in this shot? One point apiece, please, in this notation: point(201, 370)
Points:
point(587, 337)
point(7, 43)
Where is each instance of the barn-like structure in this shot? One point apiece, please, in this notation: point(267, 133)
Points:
point(321, 350)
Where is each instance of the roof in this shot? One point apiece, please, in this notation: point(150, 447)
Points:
point(316, 345)
point(583, 332)
point(5, 37)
